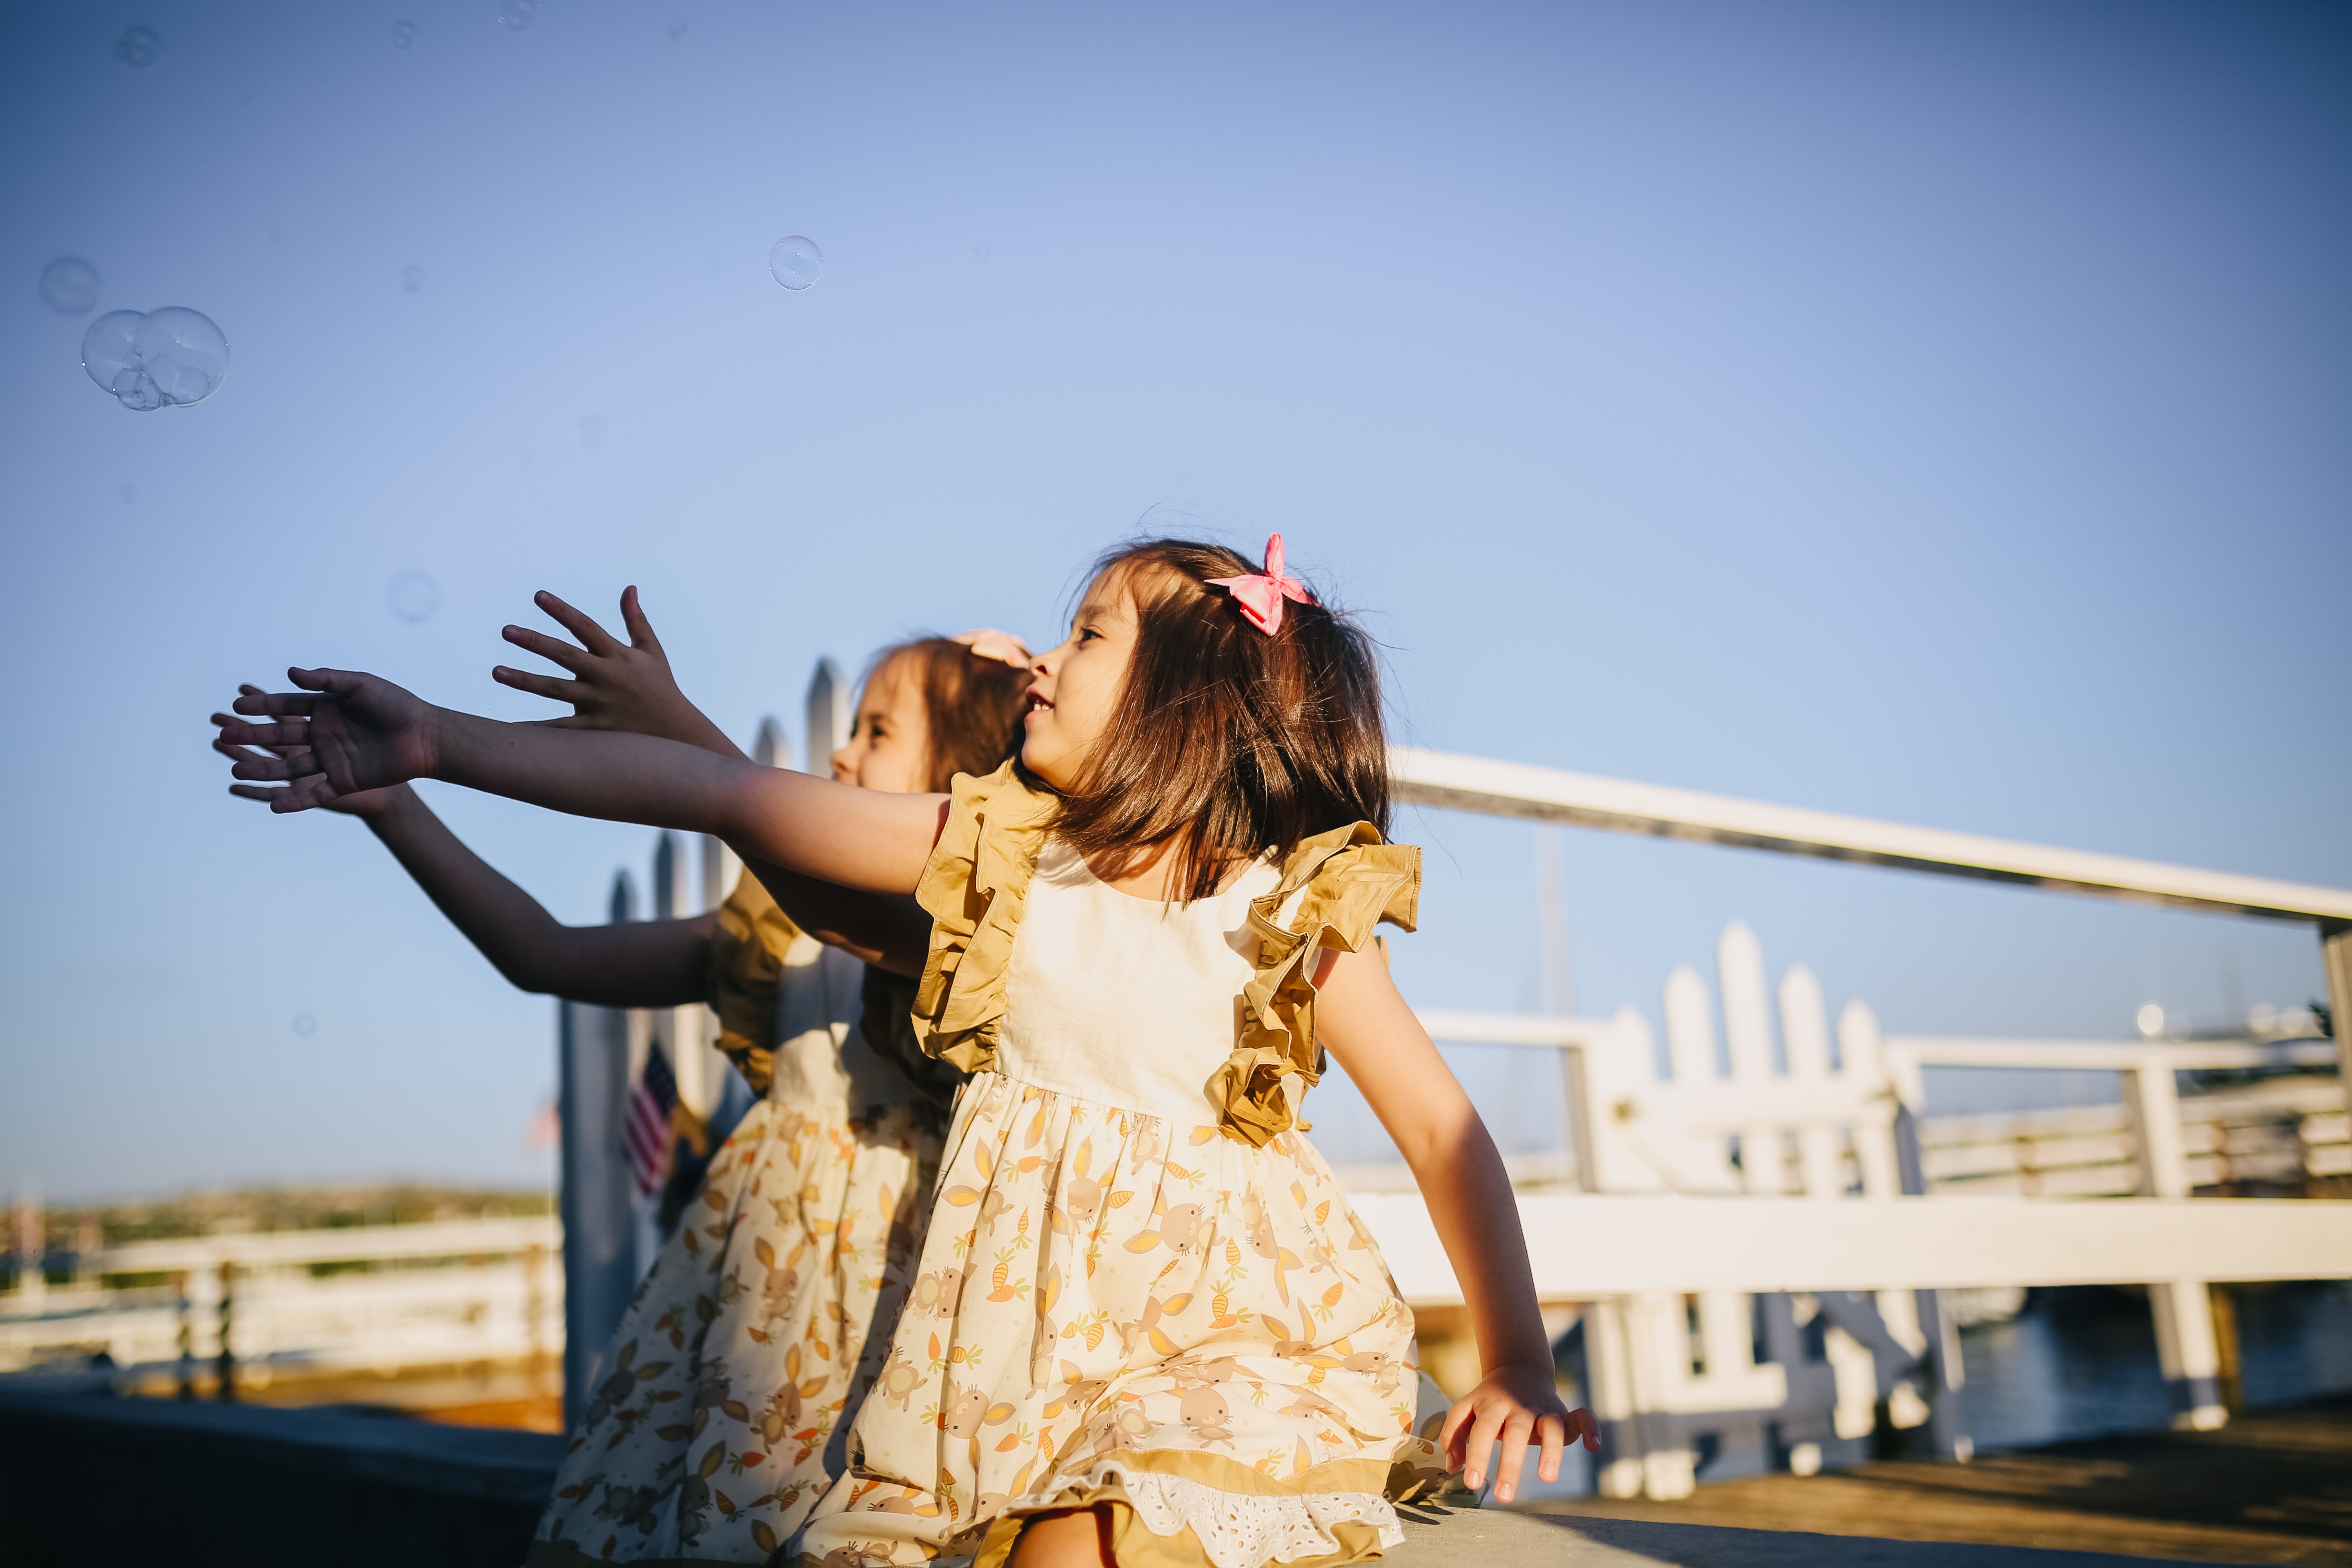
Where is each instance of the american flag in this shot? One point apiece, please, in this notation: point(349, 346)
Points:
point(647, 1132)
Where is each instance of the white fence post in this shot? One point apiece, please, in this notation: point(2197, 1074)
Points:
point(768, 747)
point(829, 703)
point(598, 1217)
point(679, 1029)
point(2186, 1345)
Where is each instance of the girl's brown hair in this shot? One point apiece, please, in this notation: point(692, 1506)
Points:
point(1227, 742)
point(973, 706)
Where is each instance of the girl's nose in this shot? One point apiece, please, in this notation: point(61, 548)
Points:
point(845, 764)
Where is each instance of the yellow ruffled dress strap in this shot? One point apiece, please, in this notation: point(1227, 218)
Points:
point(745, 977)
point(975, 887)
point(1352, 880)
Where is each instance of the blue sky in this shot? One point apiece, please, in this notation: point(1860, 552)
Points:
point(1935, 413)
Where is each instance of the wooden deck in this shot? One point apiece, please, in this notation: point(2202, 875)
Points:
point(2273, 1486)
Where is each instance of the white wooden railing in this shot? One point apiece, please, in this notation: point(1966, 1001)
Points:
point(404, 1296)
point(1791, 1196)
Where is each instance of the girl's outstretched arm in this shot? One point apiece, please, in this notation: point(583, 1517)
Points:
point(364, 732)
point(633, 963)
point(630, 685)
point(1390, 1058)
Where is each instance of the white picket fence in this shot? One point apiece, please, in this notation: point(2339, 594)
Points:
point(450, 1292)
point(1754, 1200)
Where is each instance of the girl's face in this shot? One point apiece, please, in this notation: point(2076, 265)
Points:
point(889, 745)
point(1079, 684)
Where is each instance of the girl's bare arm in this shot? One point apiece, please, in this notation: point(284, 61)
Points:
point(362, 732)
point(633, 963)
point(1373, 1034)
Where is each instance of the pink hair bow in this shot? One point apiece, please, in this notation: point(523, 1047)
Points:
point(1260, 595)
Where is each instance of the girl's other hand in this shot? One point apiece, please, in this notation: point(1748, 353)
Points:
point(618, 686)
point(364, 803)
point(351, 732)
point(1519, 1407)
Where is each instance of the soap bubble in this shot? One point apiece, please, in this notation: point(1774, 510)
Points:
point(516, 16)
point(130, 494)
point(305, 1025)
point(983, 251)
point(677, 31)
point(404, 35)
point(70, 284)
point(139, 48)
point(413, 596)
point(174, 356)
point(795, 262)
point(592, 430)
point(411, 279)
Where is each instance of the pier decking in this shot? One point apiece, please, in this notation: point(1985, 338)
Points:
point(2273, 1486)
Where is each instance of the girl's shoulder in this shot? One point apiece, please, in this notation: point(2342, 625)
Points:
point(974, 887)
point(1346, 881)
point(1335, 889)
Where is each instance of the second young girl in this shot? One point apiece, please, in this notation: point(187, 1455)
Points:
point(1146, 1325)
point(761, 1325)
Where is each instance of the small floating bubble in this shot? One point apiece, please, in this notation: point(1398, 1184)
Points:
point(404, 35)
point(138, 47)
point(516, 16)
point(171, 358)
point(411, 279)
point(592, 430)
point(413, 596)
point(983, 251)
point(130, 494)
point(795, 262)
point(305, 1025)
point(70, 284)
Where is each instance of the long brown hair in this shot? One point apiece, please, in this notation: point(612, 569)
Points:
point(973, 706)
point(1227, 742)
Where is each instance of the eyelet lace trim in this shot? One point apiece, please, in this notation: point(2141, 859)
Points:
point(1241, 1530)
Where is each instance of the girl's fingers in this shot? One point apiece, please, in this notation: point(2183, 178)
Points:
point(1591, 1424)
point(641, 631)
point(279, 704)
point(594, 637)
point(1517, 1428)
point(253, 765)
point(254, 791)
point(286, 732)
point(1457, 1413)
point(1482, 1432)
point(1554, 1433)
point(546, 686)
point(553, 649)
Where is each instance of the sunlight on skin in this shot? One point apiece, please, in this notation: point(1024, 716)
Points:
point(890, 745)
point(1071, 703)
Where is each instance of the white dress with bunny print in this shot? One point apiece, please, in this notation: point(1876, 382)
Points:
point(1140, 1286)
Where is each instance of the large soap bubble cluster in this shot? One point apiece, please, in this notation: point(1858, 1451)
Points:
point(164, 359)
point(69, 285)
point(795, 262)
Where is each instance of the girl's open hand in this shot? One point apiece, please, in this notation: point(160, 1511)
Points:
point(615, 686)
point(346, 733)
point(1517, 1407)
point(366, 803)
